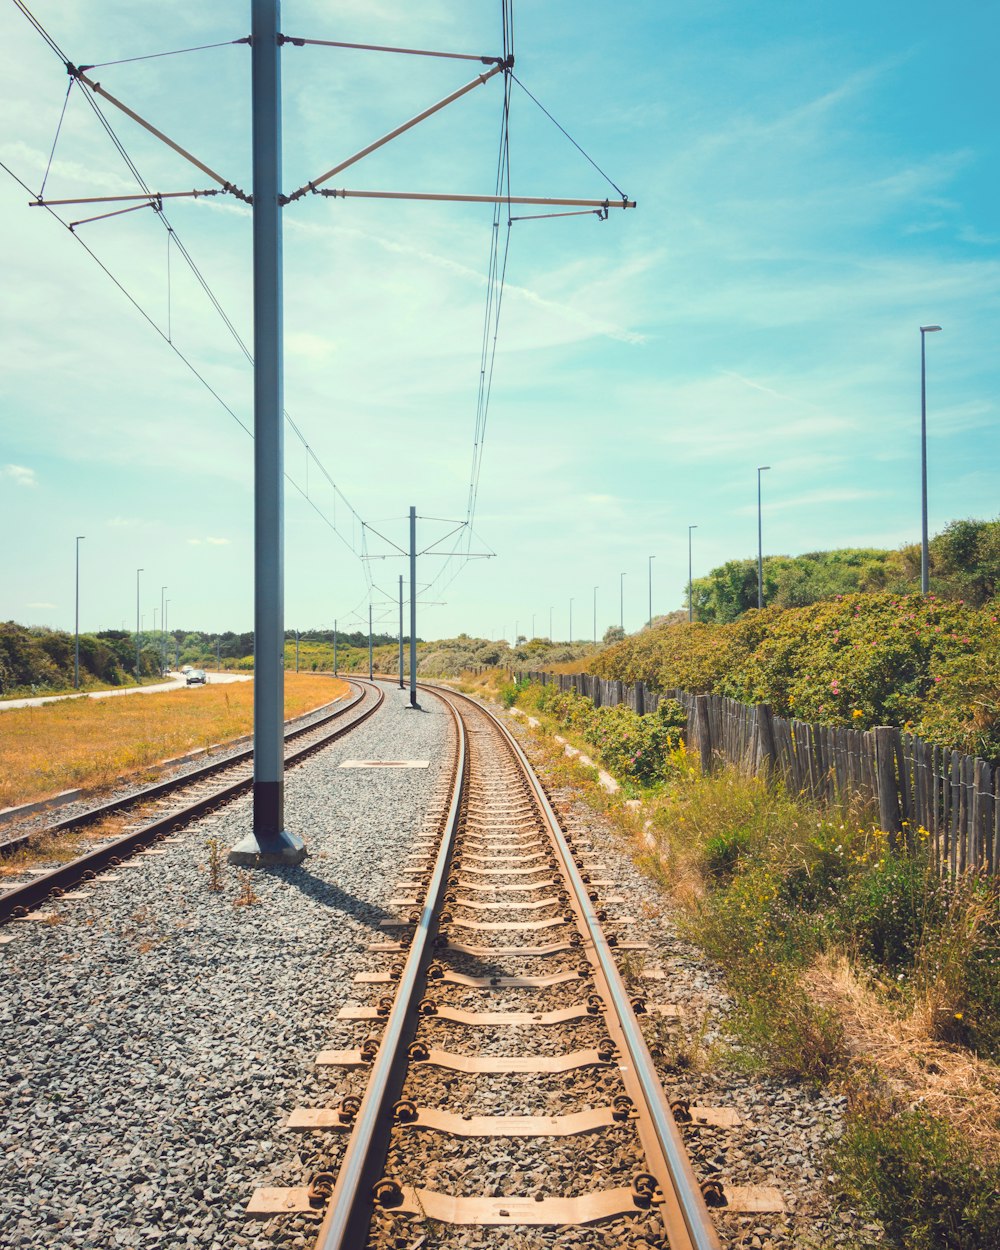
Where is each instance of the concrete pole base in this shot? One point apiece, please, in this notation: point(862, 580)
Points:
point(282, 850)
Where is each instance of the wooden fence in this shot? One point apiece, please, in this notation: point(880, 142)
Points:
point(916, 787)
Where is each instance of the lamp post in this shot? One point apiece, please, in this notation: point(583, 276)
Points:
point(690, 578)
point(924, 563)
point(137, 572)
point(401, 686)
point(621, 601)
point(571, 622)
point(166, 613)
point(650, 563)
point(760, 542)
point(76, 644)
point(163, 629)
point(532, 625)
point(596, 589)
point(550, 624)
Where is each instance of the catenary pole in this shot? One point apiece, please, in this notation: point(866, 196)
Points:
point(371, 670)
point(401, 631)
point(413, 608)
point(335, 648)
point(269, 843)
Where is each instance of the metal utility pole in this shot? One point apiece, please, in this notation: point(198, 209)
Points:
point(690, 579)
point(924, 542)
point(596, 589)
point(550, 624)
point(137, 572)
point(218, 654)
point(621, 601)
point(761, 468)
point(371, 671)
point(413, 609)
point(401, 631)
point(269, 843)
point(163, 630)
point(76, 644)
point(571, 622)
point(335, 648)
point(651, 559)
point(296, 650)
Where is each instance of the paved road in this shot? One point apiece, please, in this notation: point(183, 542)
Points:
point(177, 680)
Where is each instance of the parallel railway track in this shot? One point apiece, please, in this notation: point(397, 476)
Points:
point(176, 802)
point(510, 1086)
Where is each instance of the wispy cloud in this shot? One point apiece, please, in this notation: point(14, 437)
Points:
point(20, 474)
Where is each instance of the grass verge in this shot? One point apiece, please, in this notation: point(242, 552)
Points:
point(91, 742)
point(847, 964)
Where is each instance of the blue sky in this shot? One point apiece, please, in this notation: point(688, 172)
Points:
point(814, 182)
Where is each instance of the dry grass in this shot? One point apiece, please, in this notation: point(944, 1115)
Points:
point(92, 742)
point(946, 1081)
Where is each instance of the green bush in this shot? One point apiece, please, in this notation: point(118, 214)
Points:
point(889, 910)
point(921, 1181)
point(915, 661)
point(635, 748)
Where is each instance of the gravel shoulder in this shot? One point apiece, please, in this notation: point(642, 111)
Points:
point(157, 1036)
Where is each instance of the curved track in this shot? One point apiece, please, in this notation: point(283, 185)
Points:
point(511, 1087)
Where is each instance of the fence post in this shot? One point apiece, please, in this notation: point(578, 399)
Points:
point(763, 741)
point(886, 784)
point(703, 732)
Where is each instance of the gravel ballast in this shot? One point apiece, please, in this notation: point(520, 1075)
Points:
point(156, 1037)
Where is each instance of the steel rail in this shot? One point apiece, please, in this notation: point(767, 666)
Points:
point(148, 793)
point(696, 1227)
point(348, 1215)
point(24, 898)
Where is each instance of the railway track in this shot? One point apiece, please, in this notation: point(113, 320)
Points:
point(159, 810)
point(509, 1083)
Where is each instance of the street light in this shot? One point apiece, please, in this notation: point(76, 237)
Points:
point(137, 572)
point(596, 589)
point(621, 601)
point(550, 624)
point(760, 541)
point(690, 578)
point(76, 645)
point(571, 622)
point(163, 630)
point(924, 578)
point(651, 559)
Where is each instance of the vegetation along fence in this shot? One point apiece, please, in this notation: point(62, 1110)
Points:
point(922, 791)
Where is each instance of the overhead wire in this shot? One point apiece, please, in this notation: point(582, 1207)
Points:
point(189, 260)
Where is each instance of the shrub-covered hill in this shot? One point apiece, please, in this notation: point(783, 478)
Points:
point(964, 563)
point(862, 660)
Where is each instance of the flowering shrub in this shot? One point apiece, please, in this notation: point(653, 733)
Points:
point(635, 748)
point(929, 666)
